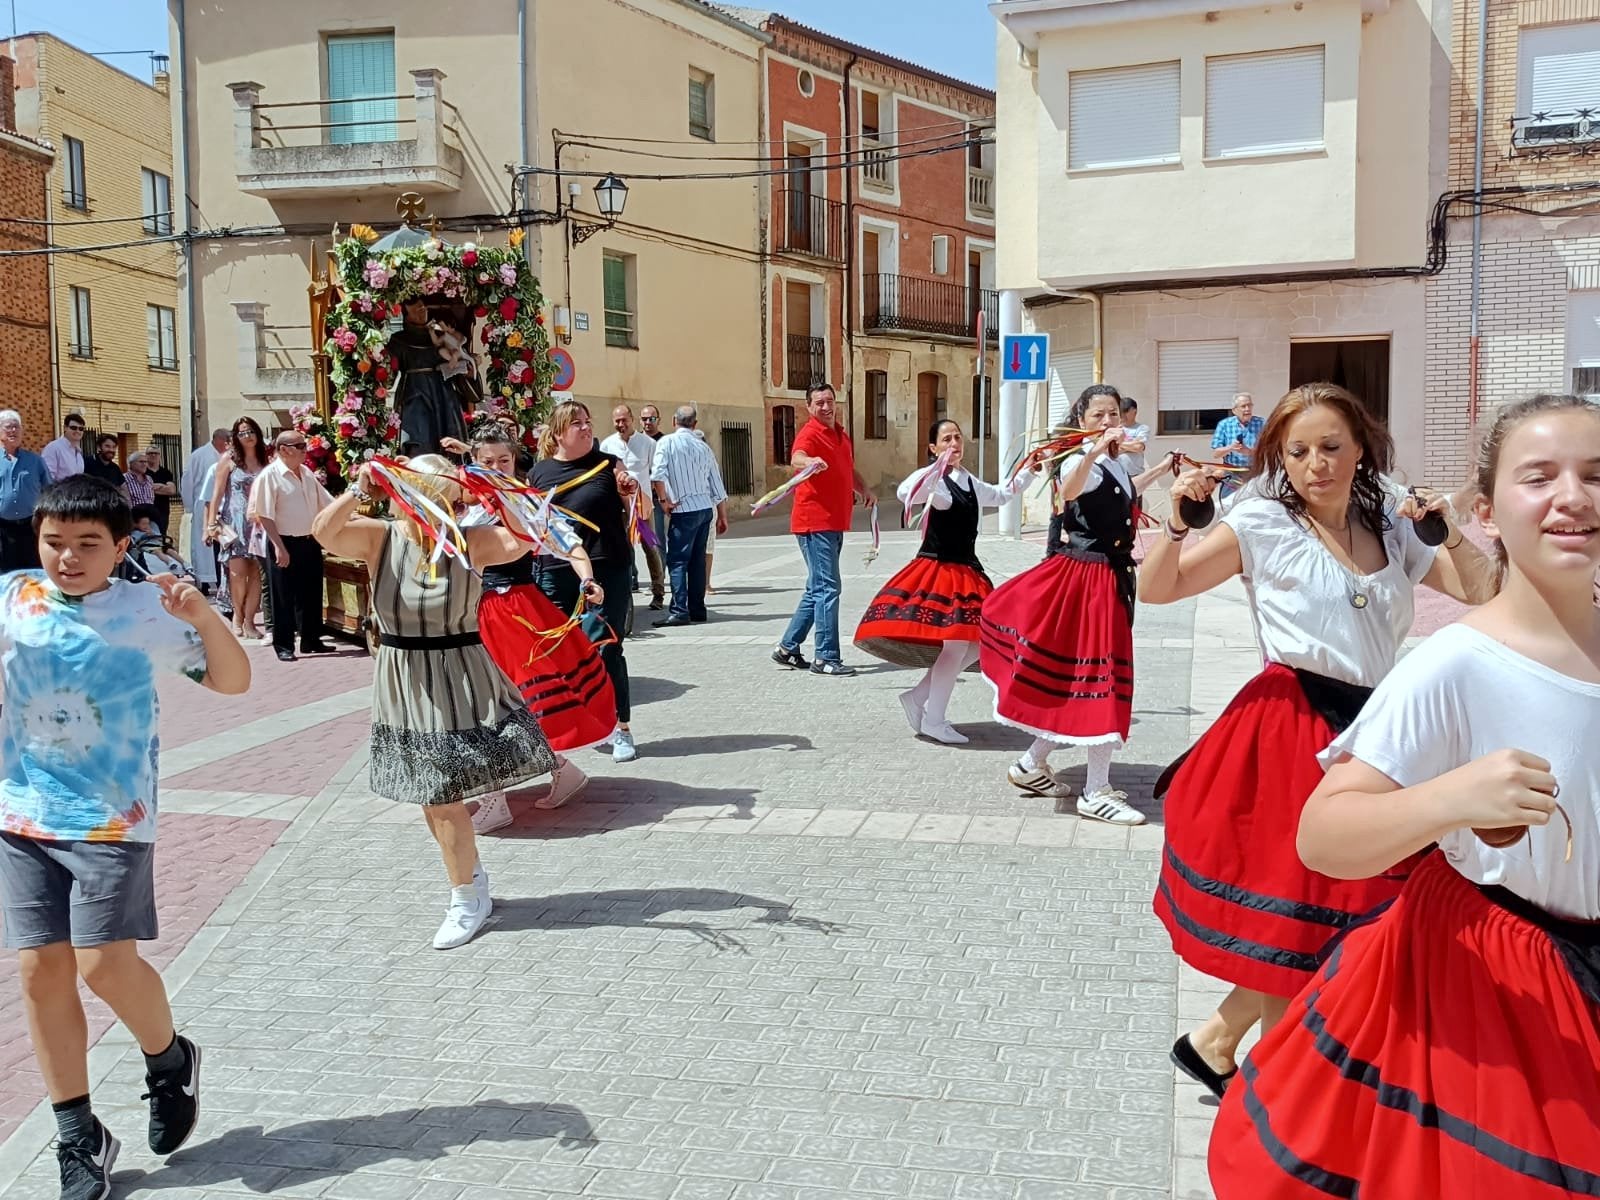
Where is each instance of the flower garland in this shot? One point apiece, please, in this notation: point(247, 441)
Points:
point(321, 451)
point(494, 282)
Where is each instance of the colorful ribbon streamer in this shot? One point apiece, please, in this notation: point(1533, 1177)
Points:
point(788, 486)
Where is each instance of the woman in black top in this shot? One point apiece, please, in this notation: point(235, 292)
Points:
point(591, 488)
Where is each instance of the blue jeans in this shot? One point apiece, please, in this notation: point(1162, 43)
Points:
point(819, 604)
point(687, 533)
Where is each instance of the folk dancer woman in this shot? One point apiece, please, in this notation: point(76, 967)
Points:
point(1330, 560)
point(1451, 1047)
point(927, 615)
point(1057, 641)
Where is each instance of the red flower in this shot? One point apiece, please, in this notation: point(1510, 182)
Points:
point(469, 258)
point(382, 393)
point(508, 309)
point(485, 335)
point(372, 420)
point(382, 373)
point(527, 355)
point(495, 364)
point(380, 313)
point(480, 312)
point(538, 318)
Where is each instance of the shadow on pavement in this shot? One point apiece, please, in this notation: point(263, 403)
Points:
point(297, 1155)
point(722, 743)
point(616, 802)
point(640, 908)
point(643, 689)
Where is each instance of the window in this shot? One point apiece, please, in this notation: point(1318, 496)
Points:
point(877, 404)
point(871, 110)
point(941, 254)
point(702, 110)
point(1264, 103)
point(1558, 84)
point(782, 433)
point(877, 168)
point(161, 337)
point(1195, 384)
point(157, 201)
point(362, 103)
point(171, 447)
point(1586, 382)
point(1070, 372)
point(807, 83)
point(82, 326)
point(76, 193)
point(1123, 117)
point(620, 288)
point(1583, 341)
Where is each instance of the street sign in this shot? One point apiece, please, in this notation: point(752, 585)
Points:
point(566, 370)
point(1025, 357)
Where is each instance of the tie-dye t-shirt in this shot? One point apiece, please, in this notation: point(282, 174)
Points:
point(80, 713)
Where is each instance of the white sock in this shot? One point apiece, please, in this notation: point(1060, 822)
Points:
point(466, 894)
point(941, 679)
point(1099, 778)
point(1037, 756)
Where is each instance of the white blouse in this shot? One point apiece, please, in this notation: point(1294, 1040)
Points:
point(915, 488)
point(1310, 611)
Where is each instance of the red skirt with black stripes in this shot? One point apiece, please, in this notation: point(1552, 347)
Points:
point(1056, 645)
point(1444, 1050)
point(1234, 896)
point(562, 679)
point(924, 605)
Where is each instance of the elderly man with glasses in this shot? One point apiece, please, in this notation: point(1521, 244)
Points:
point(64, 456)
point(22, 477)
point(284, 500)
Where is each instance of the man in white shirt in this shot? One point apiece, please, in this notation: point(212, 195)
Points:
point(64, 456)
point(195, 492)
point(285, 499)
point(637, 452)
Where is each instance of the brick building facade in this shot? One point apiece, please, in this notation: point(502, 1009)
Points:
point(25, 298)
point(1539, 290)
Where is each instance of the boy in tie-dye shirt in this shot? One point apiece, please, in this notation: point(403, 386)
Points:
point(81, 653)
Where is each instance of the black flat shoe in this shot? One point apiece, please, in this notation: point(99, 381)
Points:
point(1187, 1059)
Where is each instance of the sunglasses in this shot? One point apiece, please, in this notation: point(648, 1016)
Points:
point(75, 428)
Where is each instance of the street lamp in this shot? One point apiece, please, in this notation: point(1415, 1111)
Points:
point(610, 197)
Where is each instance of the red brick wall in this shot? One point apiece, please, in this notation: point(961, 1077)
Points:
point(24, 286)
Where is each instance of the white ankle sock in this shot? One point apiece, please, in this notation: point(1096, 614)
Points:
point(466, 894)
point(1037, 756)
point(1099, 776)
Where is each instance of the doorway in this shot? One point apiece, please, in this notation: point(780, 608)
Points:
point(801, 221)
point(1359, 365)
point(931, 401)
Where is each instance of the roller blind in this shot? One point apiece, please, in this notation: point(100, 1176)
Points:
point(1070, 372)
point(1124, 116)
point(1264, 103)
point(1197, 375)
point(1560, 69)
point(359, 66)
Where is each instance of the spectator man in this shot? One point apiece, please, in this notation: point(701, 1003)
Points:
point(650, 418)
point(23, 476)
point(285, 498)
point(136, 481)
point(64, 456)
point(688, 487)
point(104, 463)
point(166, 487)
point(821, 515)
point(637, 452)
point(1236, 436)
point(202, 557)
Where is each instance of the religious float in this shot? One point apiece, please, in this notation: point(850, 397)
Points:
point(420, 336)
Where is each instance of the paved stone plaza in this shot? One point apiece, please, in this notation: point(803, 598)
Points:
point(790, 953)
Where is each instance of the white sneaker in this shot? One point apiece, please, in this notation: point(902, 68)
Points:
point(943, 731)
point(1038, 783)
point(464, 918)
point(912, 702)
point(566, 781)
point(622, 747)
point(492, 813)
point(1110, 806)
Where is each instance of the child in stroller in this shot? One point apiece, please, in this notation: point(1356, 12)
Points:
point(150, 551)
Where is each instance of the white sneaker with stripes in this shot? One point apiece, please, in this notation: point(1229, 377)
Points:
point(1111, 806)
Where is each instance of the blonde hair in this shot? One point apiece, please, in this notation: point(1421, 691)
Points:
point(435, 477)
point(559, 421)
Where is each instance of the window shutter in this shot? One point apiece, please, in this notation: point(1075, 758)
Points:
point(699, 108)
point(1123, 116)
point(616, 285)
point(1567, 81)
point(1264, 103)
point(362, 66)
point(941, 254)
point(1197, 375)
point(152, 333)
point(1070, 372)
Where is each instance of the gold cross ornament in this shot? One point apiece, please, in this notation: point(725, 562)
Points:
point(410, 206)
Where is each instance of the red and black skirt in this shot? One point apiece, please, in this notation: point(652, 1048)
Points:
point(1056, 646)
point(1234, 896)
point(1451, 1048)
point(561, 678)
point(924, 605)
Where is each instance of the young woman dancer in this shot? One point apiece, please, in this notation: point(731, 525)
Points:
point(1330, 562)
point(927, 614)
point(1451, 1047)
point(1057, 641)
point(559, 675)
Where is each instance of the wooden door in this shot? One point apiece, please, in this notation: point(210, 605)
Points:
point(871, 288)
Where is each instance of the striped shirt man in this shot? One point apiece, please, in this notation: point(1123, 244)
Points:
point(688, 468)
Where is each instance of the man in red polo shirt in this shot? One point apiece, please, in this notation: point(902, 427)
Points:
point(822, 506)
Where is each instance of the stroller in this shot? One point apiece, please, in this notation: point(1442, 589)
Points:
point(144, 559)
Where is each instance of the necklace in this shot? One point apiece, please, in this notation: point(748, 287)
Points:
point(1358, 597)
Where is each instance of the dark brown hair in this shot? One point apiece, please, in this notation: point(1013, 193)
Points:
point(1368, 495)
point(240, 459)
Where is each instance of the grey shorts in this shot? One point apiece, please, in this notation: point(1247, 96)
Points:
point(86, 893)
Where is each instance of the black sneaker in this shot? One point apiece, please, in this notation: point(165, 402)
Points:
point(831, 666)
point(785, 657)
point(174, 1102)
point(85, 1168)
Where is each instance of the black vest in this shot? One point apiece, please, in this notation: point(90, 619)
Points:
point(508, 575)
point(951, 534)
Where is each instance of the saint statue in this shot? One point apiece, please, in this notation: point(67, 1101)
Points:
point(438, 382)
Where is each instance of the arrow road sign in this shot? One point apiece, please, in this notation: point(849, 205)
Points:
point(1025, 357)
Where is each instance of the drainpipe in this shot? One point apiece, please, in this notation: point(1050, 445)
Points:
point(849, 251)
point(525, 146)
point(1099, 326)
point(1477, 217)
point(50, 285)
point(189, 301)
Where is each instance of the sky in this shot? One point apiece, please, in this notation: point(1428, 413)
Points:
point(955, 37)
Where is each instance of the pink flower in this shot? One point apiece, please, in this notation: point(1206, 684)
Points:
point(377, 275)
point(508, 275)
point(345, 339)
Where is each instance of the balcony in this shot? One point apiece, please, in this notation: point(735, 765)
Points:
point(1543, 135)
point(877, 164)
point(311, 148)
point(809, 224)
point(906, 304)
point(275, 361)
point(806, 362)
point(980, 192)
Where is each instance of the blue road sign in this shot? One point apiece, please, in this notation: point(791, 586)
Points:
point(1025, 357)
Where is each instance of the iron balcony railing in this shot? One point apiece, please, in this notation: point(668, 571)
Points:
point(810, 224)
point(807, 361)
point(1573, 132)
point(907, 303)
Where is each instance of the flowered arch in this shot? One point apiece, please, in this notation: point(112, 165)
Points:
point(376, 280)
